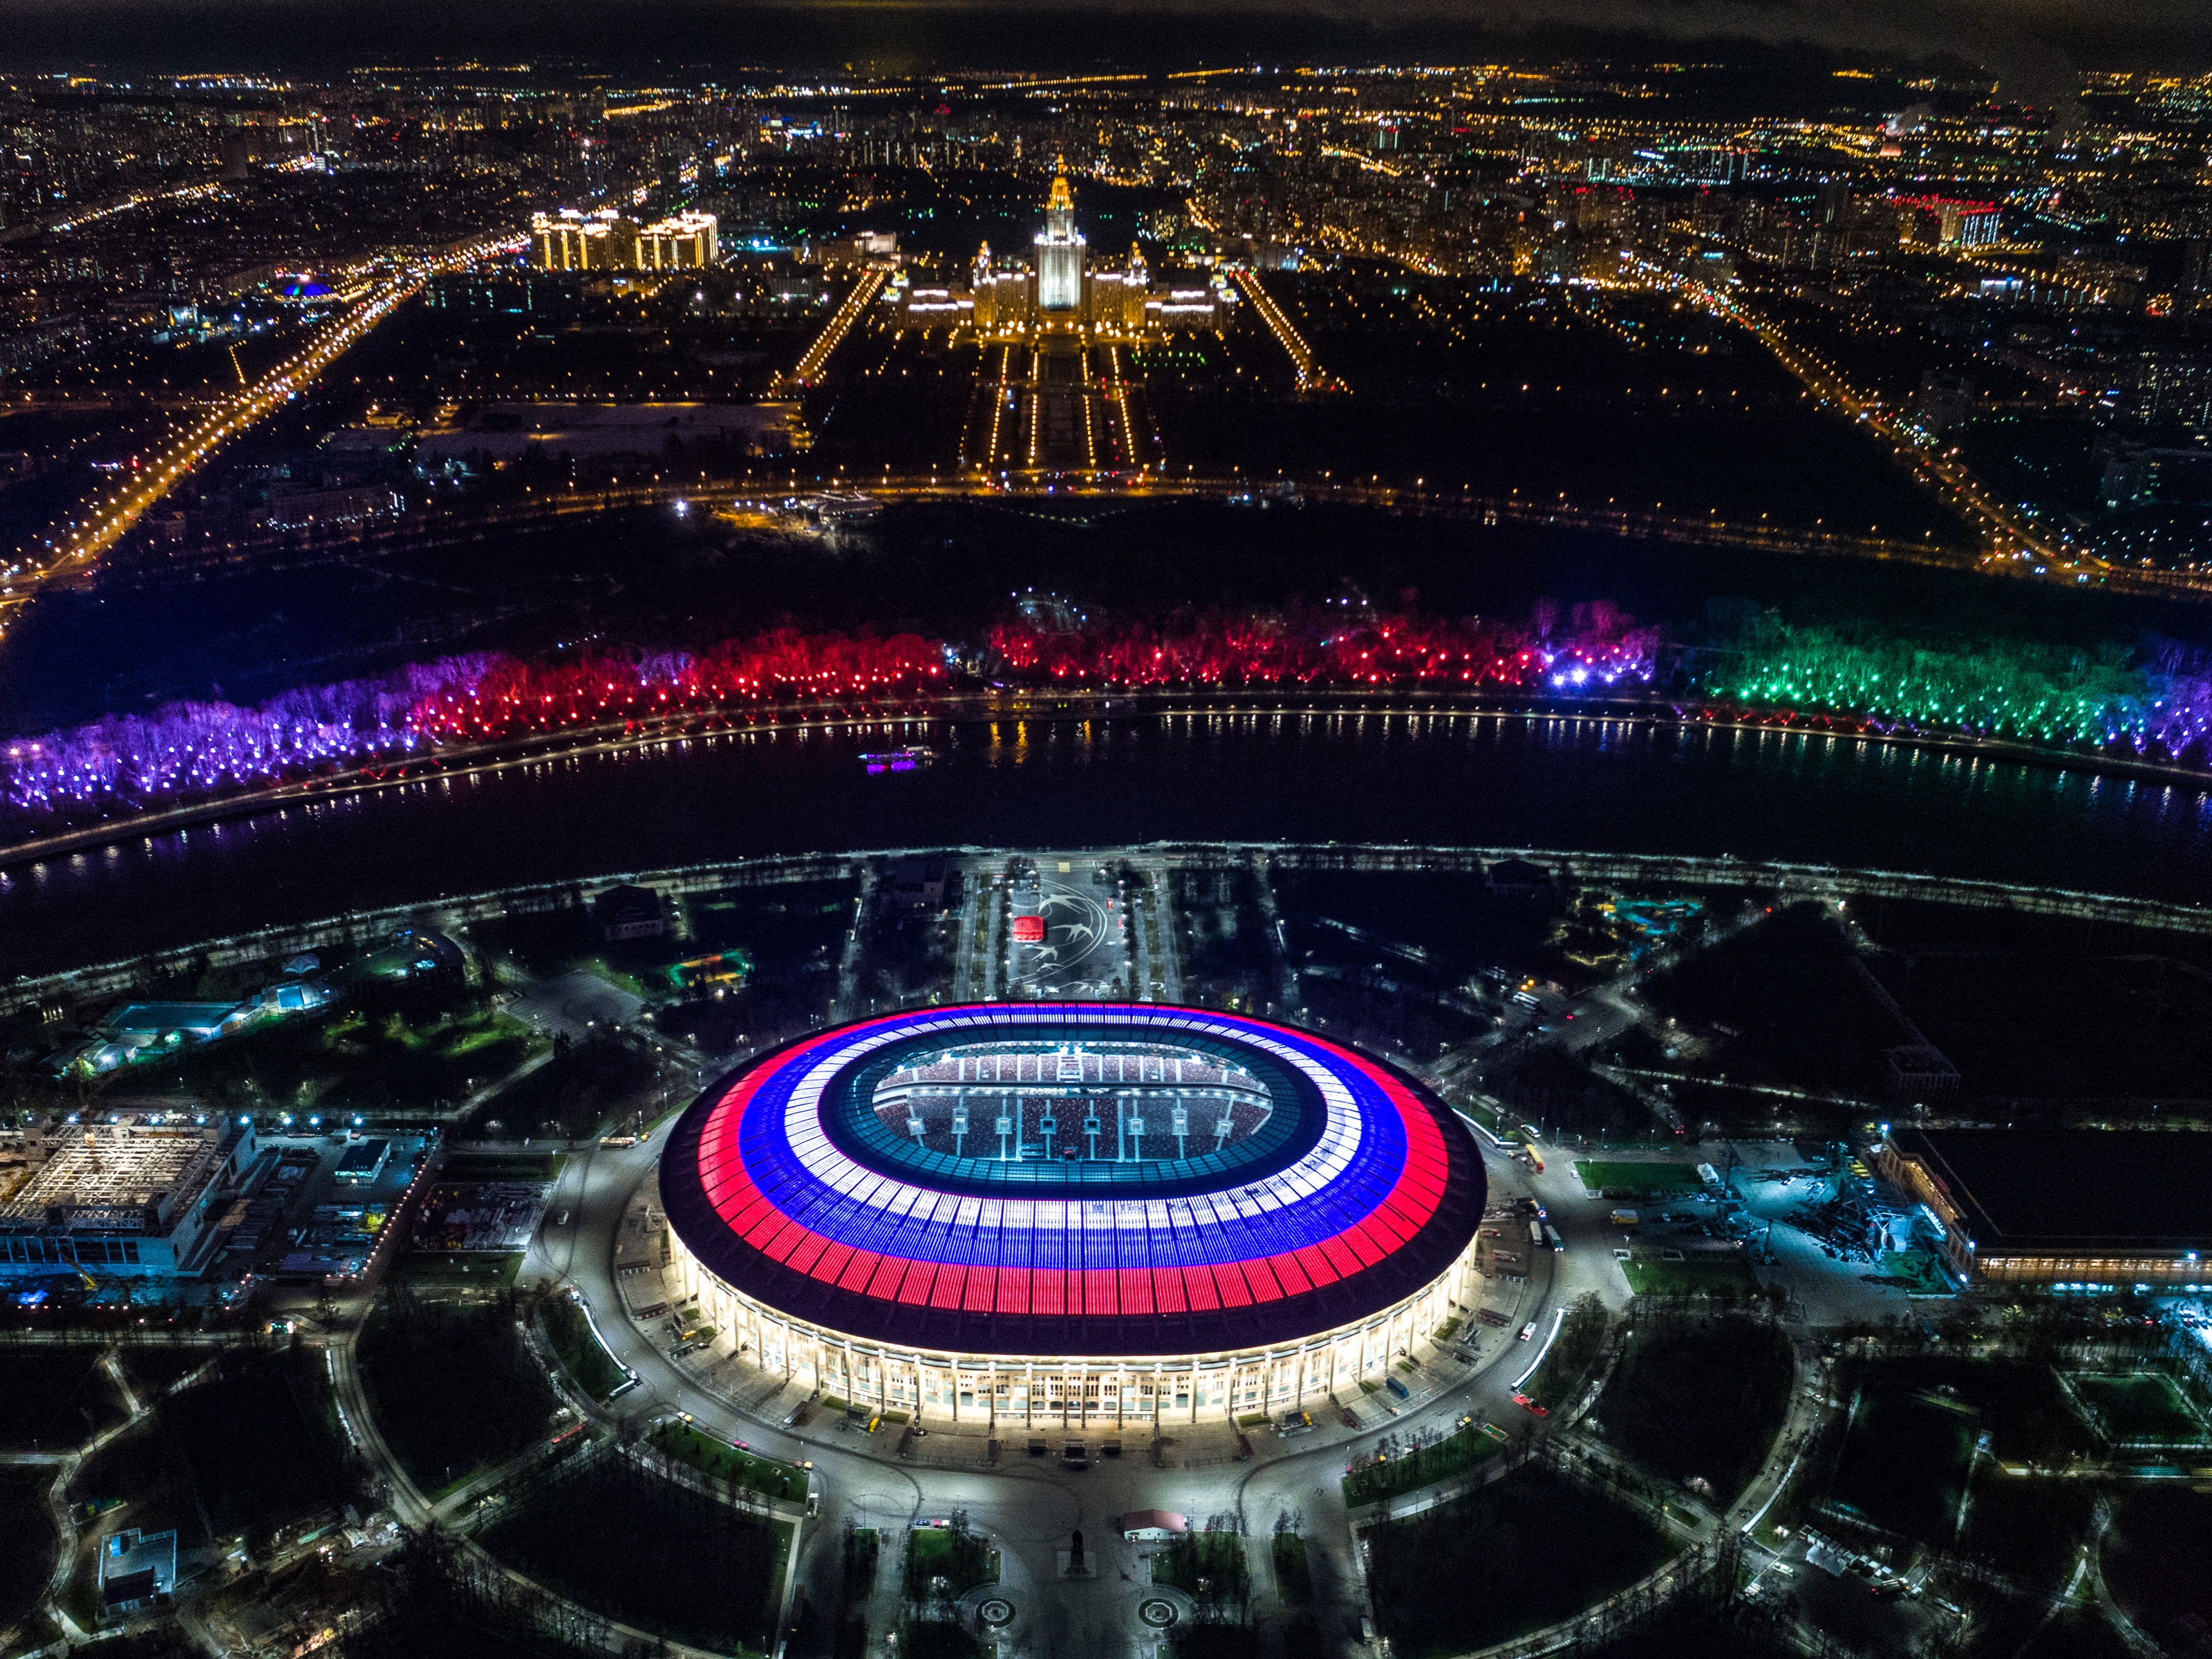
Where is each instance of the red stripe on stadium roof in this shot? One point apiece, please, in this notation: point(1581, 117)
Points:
point(1412, 1201)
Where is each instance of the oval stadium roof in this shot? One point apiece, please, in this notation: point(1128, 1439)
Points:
point(1357, 1189)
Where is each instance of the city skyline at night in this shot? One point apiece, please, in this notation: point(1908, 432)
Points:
point(957, 831)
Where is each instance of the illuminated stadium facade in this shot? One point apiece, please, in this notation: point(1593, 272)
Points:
point(1063, 1211)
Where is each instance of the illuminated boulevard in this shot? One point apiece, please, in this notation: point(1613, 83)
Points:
point(2012, 537)
point(79, 543)
point(794, 490)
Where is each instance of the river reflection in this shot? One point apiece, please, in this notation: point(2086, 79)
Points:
point(1612, 785)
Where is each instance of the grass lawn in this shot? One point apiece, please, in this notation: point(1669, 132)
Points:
point(1490, 1118)
point(361, 1058)
point(1507, 1558)
point(53, 1397)
point(1915, 1273)
point(581, 1354)
point(2027, 1526)
point(25, 1564)
point(862, 1546)
point(939, 1639)
point(1727, 1277)
point(1703, 1398)
point(1559, 1381)
point(1621, 1178)
point(452, 1387)
point(2158, 1560)
point(1293, 1573)
point(474, 1270)
point(723, 1461)
point(1410, 1471)
point(2029, 1418)
point(153, 1366)
point(574, 1093)
point(2139, 1408)
point(1905, 1461)
point(502, 1166)
point(961, 1560)
point(255, 1446)
point(633, 1547)
point(1209, 1567)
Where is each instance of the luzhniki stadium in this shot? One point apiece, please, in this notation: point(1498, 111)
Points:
point(1048, 1211)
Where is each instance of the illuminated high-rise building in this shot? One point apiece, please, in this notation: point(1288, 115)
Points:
point(1063, 293)
point(685, 241)
point(569, 240)
point(1061, 249)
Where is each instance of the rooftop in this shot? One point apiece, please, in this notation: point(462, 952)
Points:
point(115, 1171)
point(364, 1159)
point(135, 1566)
point(1152, 1521)
point(171, 1015)
point(2084, 1189)
point(1356, 1190)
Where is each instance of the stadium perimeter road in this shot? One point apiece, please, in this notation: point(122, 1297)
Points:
point(1030, 1508)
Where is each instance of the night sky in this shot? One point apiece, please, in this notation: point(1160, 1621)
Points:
point(2032, 44)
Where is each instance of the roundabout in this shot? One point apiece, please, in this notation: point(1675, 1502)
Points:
point(1157, 1612)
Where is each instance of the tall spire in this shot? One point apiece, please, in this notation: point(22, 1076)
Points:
point(1059, 248)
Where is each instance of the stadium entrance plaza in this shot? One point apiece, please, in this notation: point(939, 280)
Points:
point(1029, 1507)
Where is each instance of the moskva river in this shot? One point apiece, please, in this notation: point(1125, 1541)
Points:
point(1612, 785)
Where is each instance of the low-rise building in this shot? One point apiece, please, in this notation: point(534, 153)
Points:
point(143, 1024)
point(627, 912)
point(2108, 1208)
point(141, 1198)
point(1151, 1526)
point(363, 1161)
point(137, 1569)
